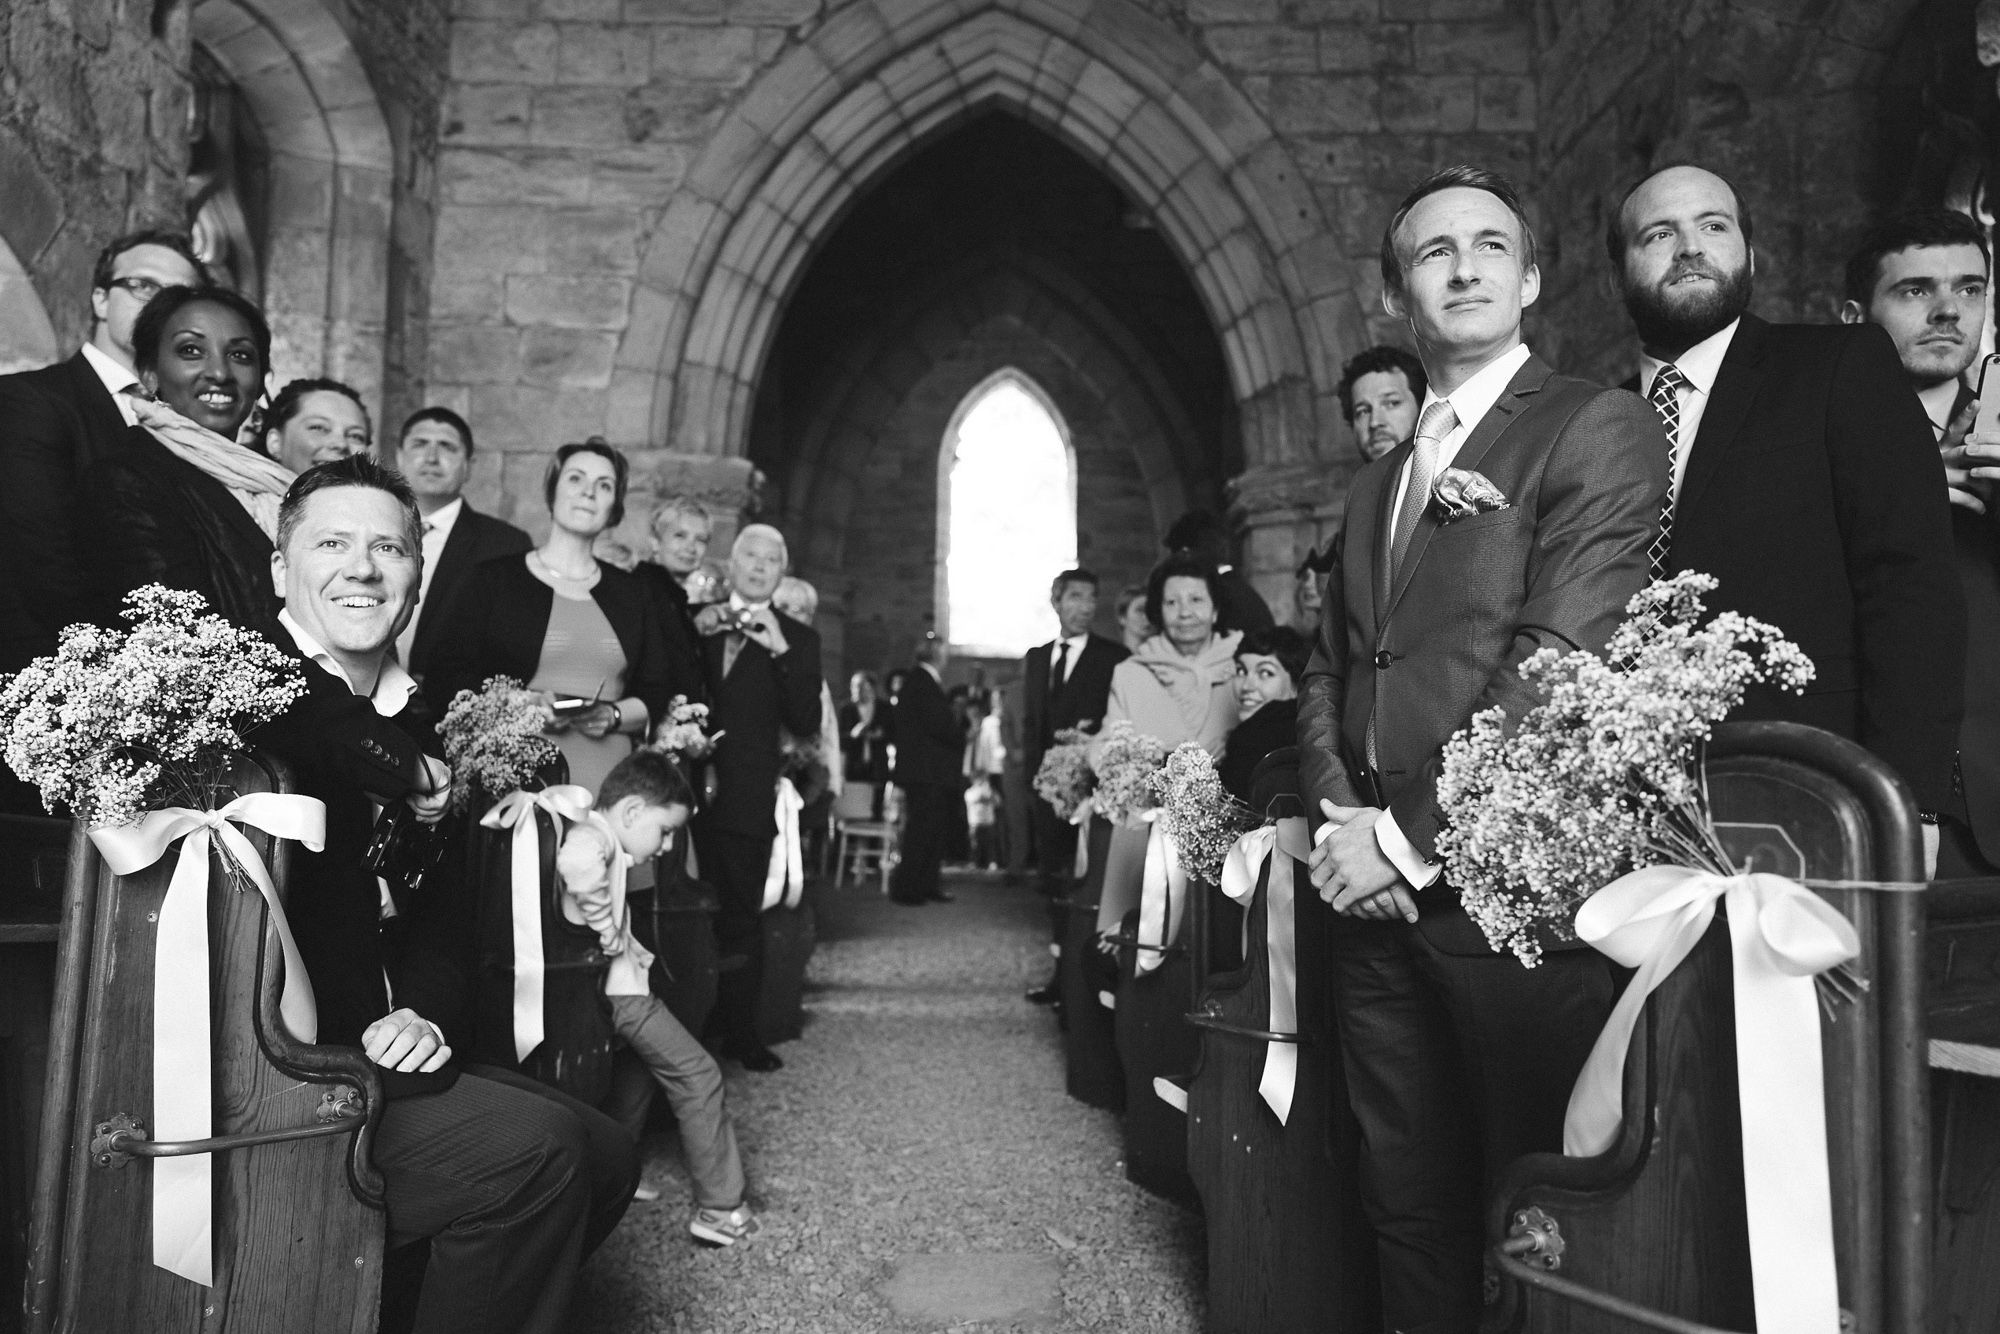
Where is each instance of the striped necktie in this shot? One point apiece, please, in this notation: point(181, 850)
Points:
point(1438, 422)
point(1666, 400)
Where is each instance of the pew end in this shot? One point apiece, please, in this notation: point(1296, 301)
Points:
point(298, 1221)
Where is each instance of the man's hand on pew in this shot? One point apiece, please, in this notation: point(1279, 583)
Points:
point(1350, 870)
point(430, 800)
point(405, 1041)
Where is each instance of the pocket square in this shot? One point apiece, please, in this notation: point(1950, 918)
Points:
point(1460, 494)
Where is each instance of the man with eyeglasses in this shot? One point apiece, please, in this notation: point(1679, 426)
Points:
point(57, 421)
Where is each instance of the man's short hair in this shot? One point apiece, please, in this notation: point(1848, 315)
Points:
point(1282, 642)
point(354, 470)
point(1184, 564)
point(443, 416)
point(621, 473)
point(1916, 228)
point(1614, 221)
point(105, 270)
point(764, 530)
point(1198, 530)
point(1461, 177)
point(680, 507)
point(1079, 575)
point(1379, 360)
point(169, 302)
point(288, 400)
point(800, 595)
point(650, 775)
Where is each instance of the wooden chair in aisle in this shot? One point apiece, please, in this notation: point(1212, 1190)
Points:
point(863, 842)
point(297, 1205)
point(1654, 1229)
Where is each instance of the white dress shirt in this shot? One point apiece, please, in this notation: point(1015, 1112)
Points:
point(1699, 365)
point(1470, 403)
point(437, 531)
point(1075, 644)
point(117, 381)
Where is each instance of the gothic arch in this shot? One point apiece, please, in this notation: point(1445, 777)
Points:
point(326, 260)
point(27, 339)
point(883, 76)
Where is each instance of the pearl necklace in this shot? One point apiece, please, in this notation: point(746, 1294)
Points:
point(542, 564)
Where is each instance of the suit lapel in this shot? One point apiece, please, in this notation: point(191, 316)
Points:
point(1736, 386)
point(105, 426)
point(1505, 411)
point(1371, 522)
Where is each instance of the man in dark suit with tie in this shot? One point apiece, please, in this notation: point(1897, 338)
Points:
point(930, 759)
point(57, 421)
point(1922, 277)
point(1458, 1059)
point(1064, 683)
point(434, 453)
point(1806, 480)
point(763, 681)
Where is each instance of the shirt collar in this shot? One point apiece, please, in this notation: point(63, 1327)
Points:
point(1475, 398)
point(440, 523)
point(737, 602)
point(1700, 363)
point(393, 686)
point(116, 380)
point(931, 669)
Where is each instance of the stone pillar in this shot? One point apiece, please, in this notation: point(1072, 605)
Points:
point(1282, 511)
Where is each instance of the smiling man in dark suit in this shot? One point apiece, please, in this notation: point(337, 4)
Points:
point(434, 454)
point(1064, 683)
point(1458, 1059)
point(1806, 480)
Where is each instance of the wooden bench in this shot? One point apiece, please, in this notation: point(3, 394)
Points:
point(34, 855)
point(1962, 1009)
point(789, 937)
point(1657, 1222)
point(298, 1225)
point(1155, 1043)
point(1092, 1073)
point(676, 921)
point(1289, 1250)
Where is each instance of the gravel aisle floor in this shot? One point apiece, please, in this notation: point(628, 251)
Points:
point(921, 1115)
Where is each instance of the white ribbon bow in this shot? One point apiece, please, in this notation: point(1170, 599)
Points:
point(183, 1083)
point(1081, 819)
point(516, 811)
point(785, 881)
point(1162, 896)
point(1239, 881)
point(1781, 935)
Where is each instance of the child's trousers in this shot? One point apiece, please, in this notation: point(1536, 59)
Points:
point(693, 1085)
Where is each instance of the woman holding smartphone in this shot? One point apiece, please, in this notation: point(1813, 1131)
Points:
point(585, 633)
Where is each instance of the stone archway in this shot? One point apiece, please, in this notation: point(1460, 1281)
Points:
point(1130, 93)
point(27, 339)
point(326, 257)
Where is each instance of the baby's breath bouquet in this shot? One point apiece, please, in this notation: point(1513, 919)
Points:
point(1064, 779)
point(1125, 764)
point(683, 733)
point(1200, 815)
point(1604, 775)
point(495, 739)
point(119, 723)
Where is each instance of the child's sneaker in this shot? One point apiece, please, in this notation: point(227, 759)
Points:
point(723, 1227)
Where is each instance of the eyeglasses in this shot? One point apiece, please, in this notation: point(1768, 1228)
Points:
point(142, 289)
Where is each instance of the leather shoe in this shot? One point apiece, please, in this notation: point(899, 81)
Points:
point(1047, 995)
point(758, 1060)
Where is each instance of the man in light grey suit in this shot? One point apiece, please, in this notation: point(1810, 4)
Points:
point(1459, 1059)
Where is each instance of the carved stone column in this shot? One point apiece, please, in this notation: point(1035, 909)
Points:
point(1282, 511)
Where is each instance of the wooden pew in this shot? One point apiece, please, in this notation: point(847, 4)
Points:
point(676, 921)
point(1657, 1222)
point(1156, 1042)
point(1289, 1250)
point(1090, 1050)
point(298, 1223)
point(34, 853)
point(789, 937)
point(1962, 1007)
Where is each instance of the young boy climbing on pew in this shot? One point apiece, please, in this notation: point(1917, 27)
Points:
point(1268, 666)
point(644, 799)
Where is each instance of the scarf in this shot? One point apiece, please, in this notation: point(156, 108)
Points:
point(1189, 682)
point(257, 482)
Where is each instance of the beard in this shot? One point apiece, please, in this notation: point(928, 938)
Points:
point(1678, 320)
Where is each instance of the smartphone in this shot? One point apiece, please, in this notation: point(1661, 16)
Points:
point(569, 706)
point(1986, 421)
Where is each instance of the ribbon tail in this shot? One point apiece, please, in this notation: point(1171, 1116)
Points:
point(183, 1093)
point(1081, 866)
point(1281, 1059)
point(1154, 892)
point(525, 893)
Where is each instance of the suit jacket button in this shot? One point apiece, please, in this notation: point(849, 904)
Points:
point(1383, 659)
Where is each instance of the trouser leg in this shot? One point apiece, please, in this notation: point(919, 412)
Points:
point(736, 865)
point(692, 1082)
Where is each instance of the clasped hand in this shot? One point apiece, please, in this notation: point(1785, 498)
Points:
point(760, 627)
point(405, 1041)
point(430, 800)
point(1350, 871)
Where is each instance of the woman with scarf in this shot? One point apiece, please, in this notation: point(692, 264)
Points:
point(1179, 685)
point(182, 503)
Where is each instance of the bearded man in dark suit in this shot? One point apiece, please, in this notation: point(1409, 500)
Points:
point(1806, 480)
point(763, 681)
point(57, 421)
point(1064, 683)
point(1458, 1059)
point(434, 454)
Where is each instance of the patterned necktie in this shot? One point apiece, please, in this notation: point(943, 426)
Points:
point(1438, 422)
point(1057, 669)
point(1666, 400)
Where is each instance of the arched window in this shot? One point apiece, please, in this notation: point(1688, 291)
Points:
point(1006, 517)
